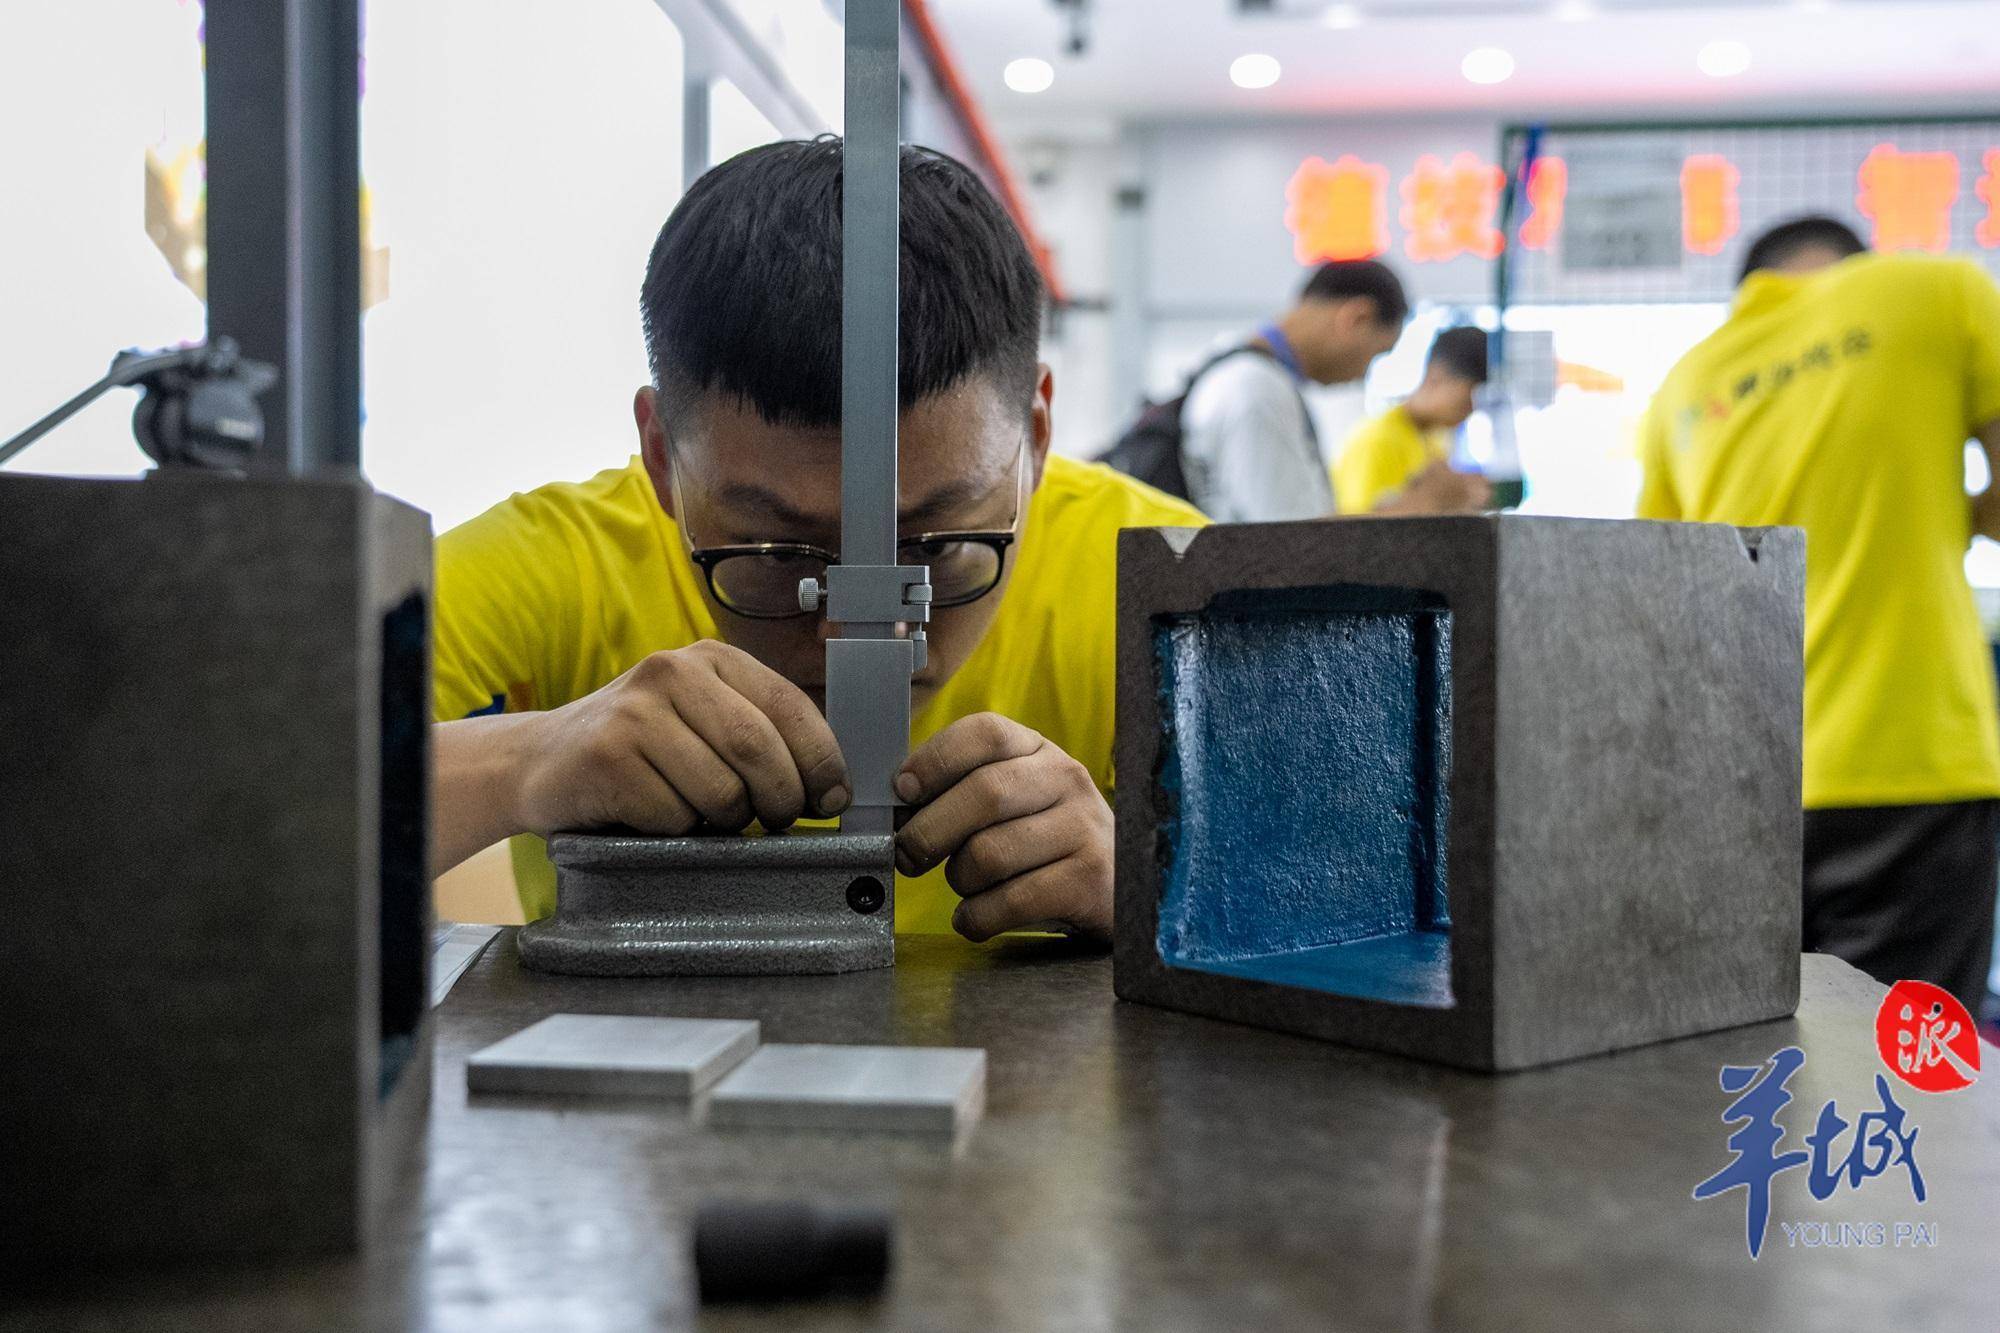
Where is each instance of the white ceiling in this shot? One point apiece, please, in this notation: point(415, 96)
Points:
point(1161, 59)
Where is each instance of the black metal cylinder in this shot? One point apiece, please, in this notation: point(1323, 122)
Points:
point(789, 1250)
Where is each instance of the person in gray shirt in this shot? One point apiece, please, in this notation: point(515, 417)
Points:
point(1248, 446)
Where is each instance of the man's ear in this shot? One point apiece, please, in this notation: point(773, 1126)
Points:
point(1356, 317)
point(653, 446)
point(1041, 419)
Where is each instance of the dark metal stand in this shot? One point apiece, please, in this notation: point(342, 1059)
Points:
point(804, 902)
point(199, 405)
point(217, 1035)
point(284, 214)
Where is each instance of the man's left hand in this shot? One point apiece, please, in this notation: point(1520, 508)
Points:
point(1024, 832)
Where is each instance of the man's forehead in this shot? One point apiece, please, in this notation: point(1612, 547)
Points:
point(955, 448)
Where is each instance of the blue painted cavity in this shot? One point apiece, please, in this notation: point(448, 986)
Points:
point(1304, 784)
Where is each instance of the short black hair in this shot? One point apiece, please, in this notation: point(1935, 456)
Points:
point(1787, 239)
point(1462, 351)
point(742, 292)
point(1345, 279)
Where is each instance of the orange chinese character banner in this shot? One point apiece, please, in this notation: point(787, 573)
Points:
point(1548, 185)
point(1710, 211)
point(1908, 196)
point(1665, 212)
point(1592, 213)
point(1987, 232)
point(1451, 210)
point(1338, 210)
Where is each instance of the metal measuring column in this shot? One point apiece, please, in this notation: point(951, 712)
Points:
point(868, 595)
point(803, 901)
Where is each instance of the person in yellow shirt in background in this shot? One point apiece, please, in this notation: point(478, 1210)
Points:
point(629, 650)
point(1399, 462)
point(1838, 398)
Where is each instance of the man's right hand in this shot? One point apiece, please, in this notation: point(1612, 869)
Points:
point(701, 735)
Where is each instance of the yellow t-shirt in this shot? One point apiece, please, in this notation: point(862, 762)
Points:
point(1841, 402)
point(1380, 457)
point(551, 595)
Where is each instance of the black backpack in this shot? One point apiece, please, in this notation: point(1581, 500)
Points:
point(1150, 448)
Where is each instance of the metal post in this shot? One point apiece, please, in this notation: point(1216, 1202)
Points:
point(695, 129)
point(284, 214)
point(870, 247)
point(869, 596)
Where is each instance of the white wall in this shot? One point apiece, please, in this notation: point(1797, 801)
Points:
point(803, 40)
point(1197, 255)
point(82, 98)
point(521, 157)
point(735, 125)
point(519, 154)
point(1072, 193)
point(1218, 258)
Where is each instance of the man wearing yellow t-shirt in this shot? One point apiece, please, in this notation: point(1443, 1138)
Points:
point(1838, 398)
point(629, 650)
point(1399, 462)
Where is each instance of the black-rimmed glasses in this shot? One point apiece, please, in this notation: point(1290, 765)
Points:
point(760, 580)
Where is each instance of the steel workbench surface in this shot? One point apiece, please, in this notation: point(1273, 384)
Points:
point(1141, 1169)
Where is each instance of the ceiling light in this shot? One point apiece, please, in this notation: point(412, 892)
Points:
point(1029, 75)
point(1341, 16)
point(1487, 64)
point(1573, 11)
point(1253, 71)
point(1723, 58)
